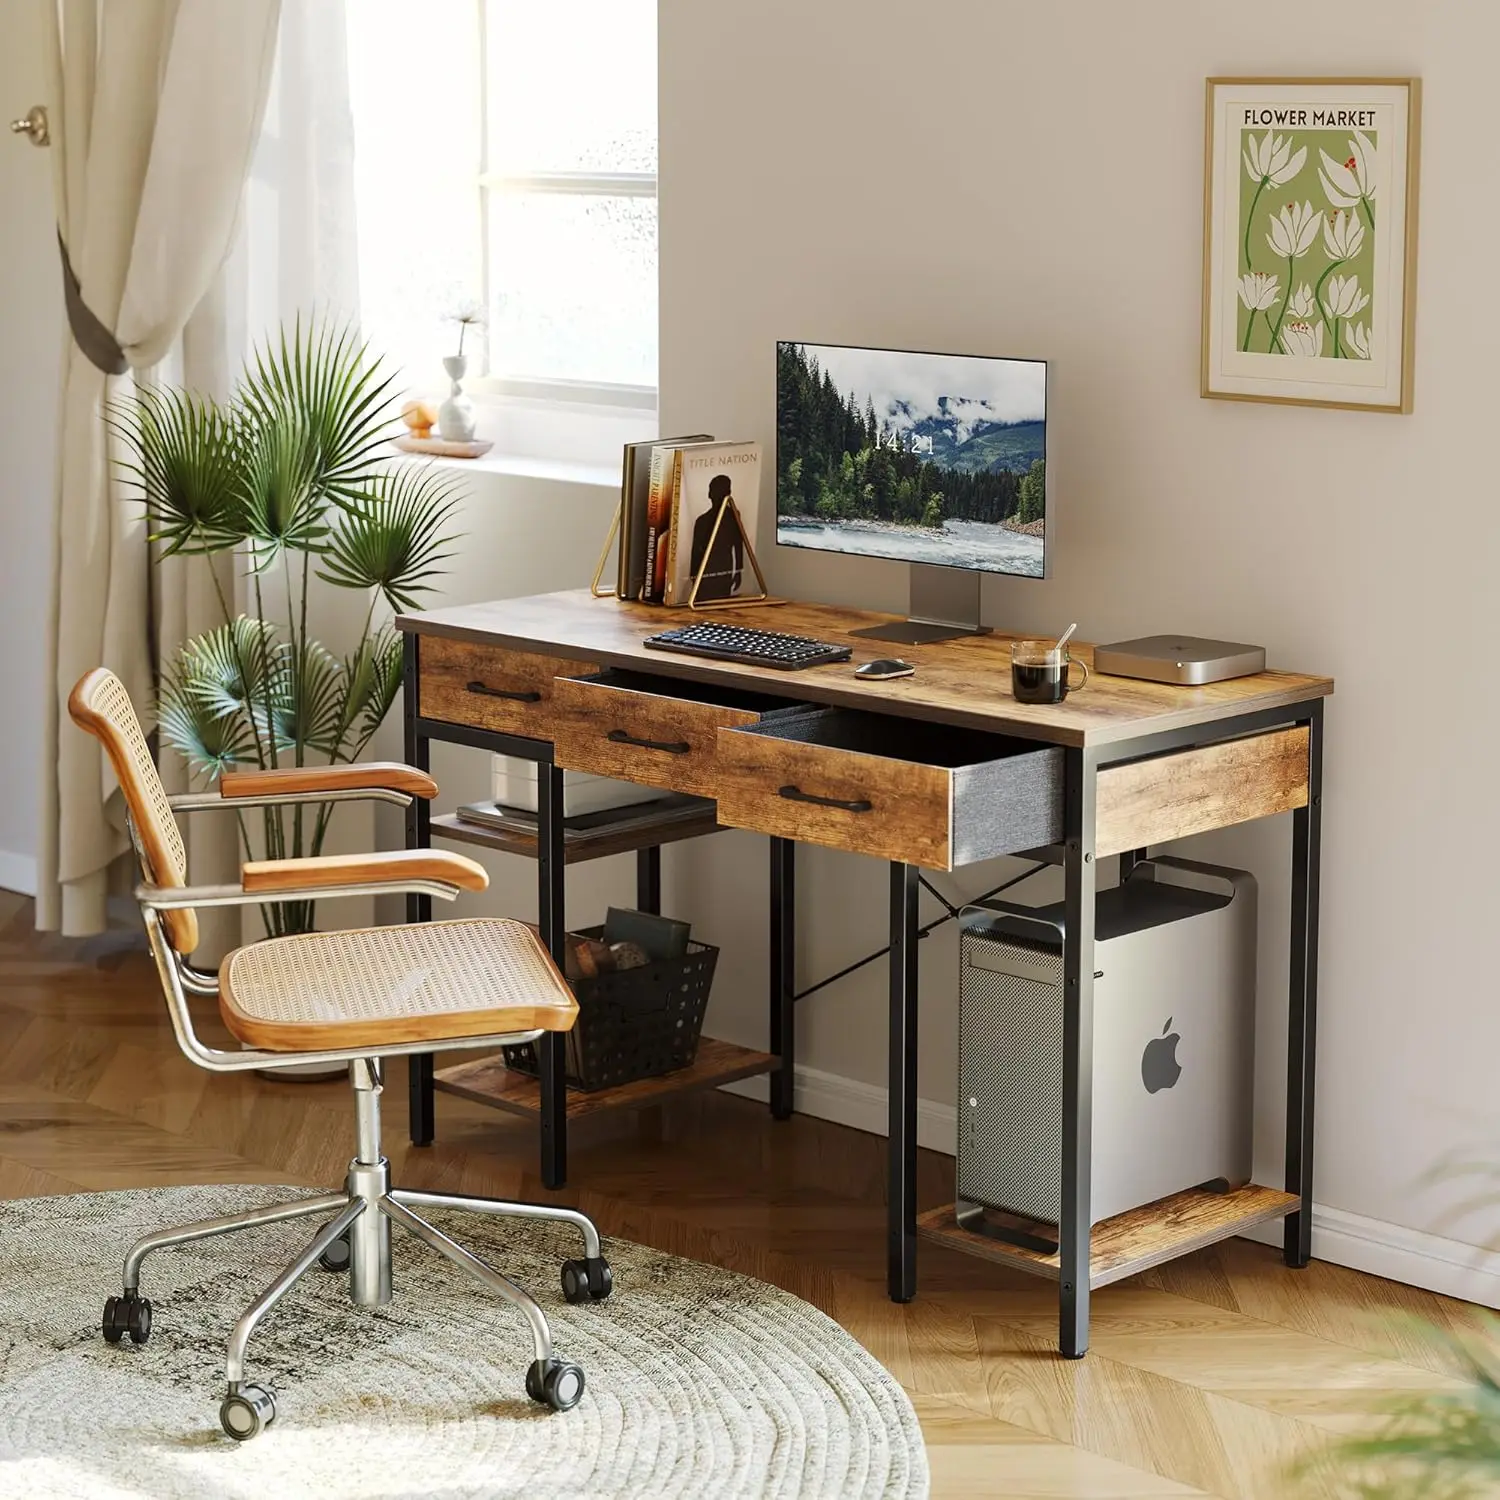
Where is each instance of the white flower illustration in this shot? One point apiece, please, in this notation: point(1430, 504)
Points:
point(1358, 339)
point(1271, 162)
point(1345, 298)
point(1258, 290)
point(1302, 303)
point(1347, 182)
point(1293, 230)
point(1343, 234)
point(1302, 339)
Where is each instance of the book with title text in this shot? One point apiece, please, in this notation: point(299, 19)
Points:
point(714, 509)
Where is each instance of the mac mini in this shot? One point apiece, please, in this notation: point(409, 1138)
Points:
point(1187, 659)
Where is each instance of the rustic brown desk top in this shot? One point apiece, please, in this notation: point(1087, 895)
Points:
point(964, 682)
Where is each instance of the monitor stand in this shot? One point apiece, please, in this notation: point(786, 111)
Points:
point(944, 604)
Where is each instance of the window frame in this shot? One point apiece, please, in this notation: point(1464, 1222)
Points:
point(568, 184)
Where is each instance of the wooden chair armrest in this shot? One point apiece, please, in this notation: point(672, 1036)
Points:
point(389, 775)
point(267, 876)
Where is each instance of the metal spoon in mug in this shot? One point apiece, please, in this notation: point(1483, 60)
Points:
point(1064, 637)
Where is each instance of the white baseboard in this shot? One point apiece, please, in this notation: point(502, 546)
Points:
point(828, 1096)
point(17, 872)
point(1451, 1267)
point(1399, 1254)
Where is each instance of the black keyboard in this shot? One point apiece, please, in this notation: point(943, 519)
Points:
point(761, 648)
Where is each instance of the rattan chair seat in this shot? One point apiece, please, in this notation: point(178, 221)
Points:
point(427, 981)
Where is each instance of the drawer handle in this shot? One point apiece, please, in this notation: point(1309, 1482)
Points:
point(671, 747)
point(796, 794)
point(487, 691)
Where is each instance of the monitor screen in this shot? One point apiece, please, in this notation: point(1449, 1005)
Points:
point(924, 458)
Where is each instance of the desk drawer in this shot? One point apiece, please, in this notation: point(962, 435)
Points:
point(488, 687)
point(898, 789)
point(657, 731)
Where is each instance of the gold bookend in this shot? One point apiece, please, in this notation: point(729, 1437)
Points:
point(763, 597)
point(614, 531)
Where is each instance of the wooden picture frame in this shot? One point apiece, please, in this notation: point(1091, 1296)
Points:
point(1310, 241)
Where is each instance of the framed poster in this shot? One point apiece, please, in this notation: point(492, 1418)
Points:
point(1310, 240)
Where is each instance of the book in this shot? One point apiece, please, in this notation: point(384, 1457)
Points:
point(659, 514)
point(634, 493)
point(659, 937)
point(708, 476)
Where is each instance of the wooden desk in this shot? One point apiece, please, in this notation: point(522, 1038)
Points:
point(940, 769)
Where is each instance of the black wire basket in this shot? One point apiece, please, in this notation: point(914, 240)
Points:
point(633, 1023)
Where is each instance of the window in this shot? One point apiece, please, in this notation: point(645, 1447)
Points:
point(506, 160)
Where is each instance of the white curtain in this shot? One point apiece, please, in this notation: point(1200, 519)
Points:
point(156, 111)
point(294, 253)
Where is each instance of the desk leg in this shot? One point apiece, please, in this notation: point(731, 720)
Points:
point(648, 879)
point(1080, 875)
point(783, 974)
point(552, 1049)
point(901, 1205)
point(1303, 999)
point(418, 908)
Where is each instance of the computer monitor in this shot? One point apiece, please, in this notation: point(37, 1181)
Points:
point(937, 460)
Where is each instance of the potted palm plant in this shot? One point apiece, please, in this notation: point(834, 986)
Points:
point(290, 476)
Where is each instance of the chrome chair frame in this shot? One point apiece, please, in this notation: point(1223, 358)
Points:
point(364, 1210)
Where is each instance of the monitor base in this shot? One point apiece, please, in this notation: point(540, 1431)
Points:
point(918, 632)
point(944, 604)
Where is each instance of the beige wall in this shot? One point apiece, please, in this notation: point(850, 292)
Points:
point(991, 176)
point(31, 345)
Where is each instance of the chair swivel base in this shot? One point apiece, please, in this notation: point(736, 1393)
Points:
point(356, 1241)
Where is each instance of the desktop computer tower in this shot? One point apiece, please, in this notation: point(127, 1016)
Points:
point(1174, 1021)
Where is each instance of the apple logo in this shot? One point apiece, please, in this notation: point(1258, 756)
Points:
point(1159, 1066)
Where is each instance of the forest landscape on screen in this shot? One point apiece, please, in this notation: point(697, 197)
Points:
point(928, 458)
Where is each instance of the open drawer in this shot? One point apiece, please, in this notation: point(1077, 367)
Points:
point(659, 731)
point(899, 789)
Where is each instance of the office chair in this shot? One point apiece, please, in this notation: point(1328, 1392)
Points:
point(356, 997)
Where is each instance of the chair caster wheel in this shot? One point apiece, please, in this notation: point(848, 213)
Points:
point(336, 1257)
point(128, 1314)
point(587, 1280)
point(556, 1384)
point(247, 1412)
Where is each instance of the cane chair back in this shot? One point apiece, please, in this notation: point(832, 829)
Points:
point(100, 704)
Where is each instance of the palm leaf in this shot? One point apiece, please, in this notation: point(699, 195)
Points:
point(307, 694)
point(338, 394)
point(229, 668)
point(372, 678)
point(185, 458)
point(387, 652)
point(1440, 1444)
point(393, 535)
point(283, 506)
point(209, 740)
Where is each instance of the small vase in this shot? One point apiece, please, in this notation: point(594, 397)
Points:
point(456, 414)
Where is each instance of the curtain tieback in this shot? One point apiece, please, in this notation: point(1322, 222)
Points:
point(98, 344)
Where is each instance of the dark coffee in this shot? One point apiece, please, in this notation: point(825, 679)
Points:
point(1039, 683)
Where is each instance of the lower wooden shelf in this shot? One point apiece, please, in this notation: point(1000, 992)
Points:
point(576, 851)
point(1130, 1242)
point(488, 1081)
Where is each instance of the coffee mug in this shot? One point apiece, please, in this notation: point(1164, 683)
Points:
point(1039, 672)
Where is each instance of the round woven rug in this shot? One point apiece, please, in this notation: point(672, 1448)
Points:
point(701, 1383)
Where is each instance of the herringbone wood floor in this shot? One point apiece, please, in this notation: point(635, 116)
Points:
point(1206, 1377)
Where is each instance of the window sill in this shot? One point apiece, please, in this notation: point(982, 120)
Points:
point(527, 466)
point(566, 439)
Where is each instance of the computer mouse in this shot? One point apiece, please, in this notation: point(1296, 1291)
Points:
point(887, 666)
